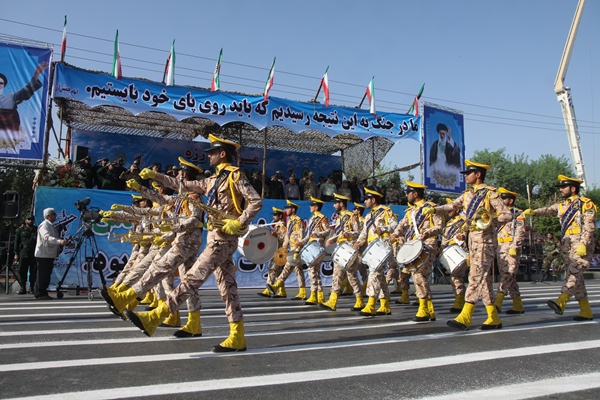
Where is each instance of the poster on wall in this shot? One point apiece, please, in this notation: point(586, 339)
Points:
point(443, 144)
point(23, 99)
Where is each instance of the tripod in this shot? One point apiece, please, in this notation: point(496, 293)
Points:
point(85, 238)
point(8, 268)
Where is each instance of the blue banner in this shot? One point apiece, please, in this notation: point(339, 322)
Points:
point(23, 100)
point(137, 96)
point(443, 149)
point(112, 256)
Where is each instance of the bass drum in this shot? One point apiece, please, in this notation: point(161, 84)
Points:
point(258, 245)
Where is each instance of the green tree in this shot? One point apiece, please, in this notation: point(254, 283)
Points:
point(21, 180)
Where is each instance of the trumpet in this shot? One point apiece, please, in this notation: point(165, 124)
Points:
point(146, 222)
point(482, 218)
point(134, 237)
point(217, 215)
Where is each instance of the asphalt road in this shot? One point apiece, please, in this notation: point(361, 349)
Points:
point(74, 348)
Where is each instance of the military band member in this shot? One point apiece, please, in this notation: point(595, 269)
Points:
point(294, 232)
point(279, 231)
point(225, 191)
point(379, 223)
point(482, 207)
point(577, 215)
point(344, 224)
point(358, 212)
point(416, 225)
point(510, 239)
point(317, 230)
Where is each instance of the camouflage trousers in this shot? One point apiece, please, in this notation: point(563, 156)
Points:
point(458, 281)
point(508, 267)
point(340, 274)
point(217, 258)
point(287, 271)
point(314, 275)
point(140, 268)
point(421, 278)
point(481, 254)
point(273, 272)
point(135, 257)
point(575, 266)
point(377, 286)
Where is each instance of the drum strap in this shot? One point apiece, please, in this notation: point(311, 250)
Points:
point(374, 217)
point(454, 228)
point(417, 218)
point(568, 216)
point(475, 203)
point(212, 195)
point(342, 221)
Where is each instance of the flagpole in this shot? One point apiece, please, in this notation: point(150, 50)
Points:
point(363, 99)
point(318, 91)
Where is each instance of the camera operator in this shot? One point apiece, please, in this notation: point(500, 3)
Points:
point(46, 250)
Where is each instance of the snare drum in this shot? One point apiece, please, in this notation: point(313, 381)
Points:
point(344, 255)
point(453, 258)
point(258, 245)
point(312, 252)
point(412, 254)
point(376, 255)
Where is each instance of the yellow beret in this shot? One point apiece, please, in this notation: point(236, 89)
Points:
point(372, 193)
point(340, 197)
point(290, 204)
point(564, 180)
point(218, 143)
point(188, 164)
point(415, 185)
point(316, 201)
point(277, 210)
point(506, 192)
point(359, 205)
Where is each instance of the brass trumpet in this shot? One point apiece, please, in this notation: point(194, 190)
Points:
point(134, 237)
point(217, 216)
point(482, 218)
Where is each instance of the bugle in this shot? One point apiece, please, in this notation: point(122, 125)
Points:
point(217, 216)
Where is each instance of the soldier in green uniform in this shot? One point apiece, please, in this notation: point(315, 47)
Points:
point(551, 250)
point(25, 239)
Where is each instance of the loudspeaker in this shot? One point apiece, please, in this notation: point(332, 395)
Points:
point(80, 152)
point(11, 204)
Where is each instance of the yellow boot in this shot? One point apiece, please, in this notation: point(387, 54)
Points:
point(121, 288)
point(265, 293)
point(236, 340)
point(150, 320)
point(281, 293)
point(431, 310)
point(359, 305)
point(493, 321)
point(498, 302)
point(173, 320)
point(192, 328)
point(331, 303)
point(384, 307)
point(118, 301)
point(459, 302)
point(586, 311)
point(369, 309)
point(301, 294)
point(404, 299)
point(320, 297)
point(149, 298)
point(275, 287)
point(463, 320)
point(154, 303)
point(312, 300)
point(559, 305)
point(422, 312)
point(517, 307)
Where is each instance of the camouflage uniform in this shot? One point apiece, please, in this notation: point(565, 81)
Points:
point(217, 257)
point(510, 236)
point(294, 232)
point(552, 257)
point(320, 228)
point(350, 225)
point(274, 270)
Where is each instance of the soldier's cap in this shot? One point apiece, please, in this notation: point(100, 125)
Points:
point(289, 204)
point(189, 166)
point(156, 185)
point(449, 200)
point(358, 205)
point(278, 173)
point(504, 193)
point(411, 186)
point(564, 180)
point(339, 197)
point(277, 210)
point(315, 202)
point(136, 197)
point(474, 166)
point(221, 144)
point(372, 193)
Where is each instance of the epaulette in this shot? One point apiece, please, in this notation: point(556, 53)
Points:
point(588, 204)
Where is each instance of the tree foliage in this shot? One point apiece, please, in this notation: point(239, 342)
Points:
point(21, 180)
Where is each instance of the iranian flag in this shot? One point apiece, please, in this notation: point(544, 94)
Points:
point(216, 80)
point(371, 95)
point(414, 108)
point(270, 79)
point(63, 46)
point(116, 67)
point(169, 75)
point(325, 85)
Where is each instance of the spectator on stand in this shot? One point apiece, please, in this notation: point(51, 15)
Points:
point(276, 188)
point(25, 239)
point(108, 178)
point(309, 187)
point(292, 190)
point(327, 189)
point(344, 190)
point(86, 172)
point(374, 186)
point(101, 163)
point(393, 194)
point(119, 169)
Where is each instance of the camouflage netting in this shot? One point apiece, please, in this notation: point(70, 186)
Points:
point(360, 159)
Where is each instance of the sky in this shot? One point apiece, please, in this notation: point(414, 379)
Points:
point(496, 61)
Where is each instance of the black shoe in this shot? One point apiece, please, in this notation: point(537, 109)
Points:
point(554, 306)
point(383, 313)
point(136, 321)
point(455, 310)
point(184, 334)
point(416, 303)
point(485, 327)
point(356, 308)
point(366, 314)
point(263, 295)
point(457, 325)
point(511, 311)
point(402, 303)
point(421, 319)
point(271, 289)
point(298, 298)
point(278, 296)
point(107, 298)
point(580, 318)
point(219, 349)
point(310, 303)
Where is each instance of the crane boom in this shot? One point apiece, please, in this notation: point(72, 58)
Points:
point(563, 94)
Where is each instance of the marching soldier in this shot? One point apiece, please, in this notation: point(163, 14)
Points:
point(225, 191)
point(344, 224)
point(416, 225)
point(510, 239)
point(379, 223)
point(358, 212)
point(317, 230)
point(552, 257)
point(482, 206)
point(294, 232)
point(577, 215)
point(279, 231)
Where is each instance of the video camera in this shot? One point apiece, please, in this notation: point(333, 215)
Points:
point(91, 216)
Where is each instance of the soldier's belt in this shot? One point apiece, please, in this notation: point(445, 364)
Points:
point(575, 231)
point(505, 240)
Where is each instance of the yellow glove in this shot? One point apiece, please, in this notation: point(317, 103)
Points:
point(105, 220)
point(147, 173)
point(231, 227)
point(529, 211)
point(428, 210)
point(109, 214)
point(165, 228)
point(581, 250)
point(512, 252)
point(157, 241)
point(117, 207)
point(132, 183)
